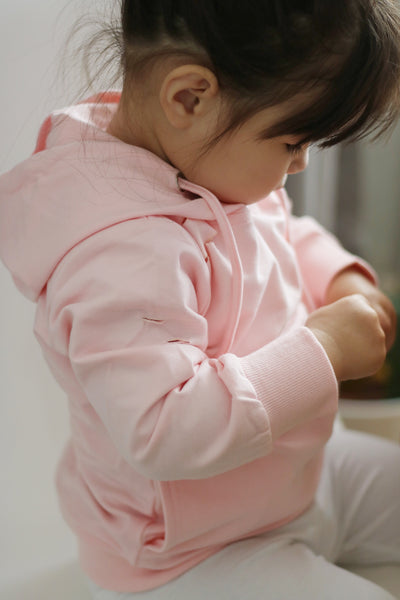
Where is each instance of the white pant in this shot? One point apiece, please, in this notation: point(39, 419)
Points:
point(355, 520)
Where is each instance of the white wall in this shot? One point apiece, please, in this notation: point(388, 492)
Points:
point(33, 417)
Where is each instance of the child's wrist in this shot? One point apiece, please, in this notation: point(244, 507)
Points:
point(351, 280)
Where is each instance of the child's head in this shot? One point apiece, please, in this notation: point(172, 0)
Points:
point(320, 70)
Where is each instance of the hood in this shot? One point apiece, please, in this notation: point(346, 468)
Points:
point(79, 181)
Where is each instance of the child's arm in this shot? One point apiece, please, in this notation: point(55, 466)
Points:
point(126, 309)
point(350, 333)
point(320, 255)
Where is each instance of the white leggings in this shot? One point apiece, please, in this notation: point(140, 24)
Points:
point(355, 520)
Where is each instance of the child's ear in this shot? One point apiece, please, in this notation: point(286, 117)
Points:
point(188, 92)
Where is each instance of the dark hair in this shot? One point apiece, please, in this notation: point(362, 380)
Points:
point(341, 55)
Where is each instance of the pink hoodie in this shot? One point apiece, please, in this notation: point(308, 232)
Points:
point(200, 404)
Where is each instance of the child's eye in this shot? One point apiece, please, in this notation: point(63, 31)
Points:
point(294, 149)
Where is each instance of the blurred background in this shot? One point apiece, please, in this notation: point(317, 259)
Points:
point(354, 191)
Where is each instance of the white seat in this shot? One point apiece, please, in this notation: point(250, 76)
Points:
point(66, 582)
point(387, 576)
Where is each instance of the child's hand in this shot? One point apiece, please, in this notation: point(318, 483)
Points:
point(352, 336)
point(352, 281)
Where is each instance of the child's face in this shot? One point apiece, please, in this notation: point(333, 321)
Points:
point(242, 168)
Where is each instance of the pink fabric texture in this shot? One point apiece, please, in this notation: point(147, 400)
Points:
point(200, 403)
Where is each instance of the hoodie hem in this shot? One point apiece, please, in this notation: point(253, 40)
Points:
point(112, 572)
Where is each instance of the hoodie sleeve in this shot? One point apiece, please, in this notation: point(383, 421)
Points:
point(126, 305)
point(321, 257)
point(319, 254)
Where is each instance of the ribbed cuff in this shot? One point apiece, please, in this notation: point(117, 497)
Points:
point(294, 380)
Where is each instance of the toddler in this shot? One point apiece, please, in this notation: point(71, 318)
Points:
point(198, 329)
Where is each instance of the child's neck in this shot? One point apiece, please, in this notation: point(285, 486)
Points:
point(136, 131)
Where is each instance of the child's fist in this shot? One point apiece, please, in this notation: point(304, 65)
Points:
point(351, 334)
point(352, 281)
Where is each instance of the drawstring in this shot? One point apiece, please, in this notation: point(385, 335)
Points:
point(237, 270)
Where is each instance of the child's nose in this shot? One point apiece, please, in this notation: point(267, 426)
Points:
point(300, 162)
